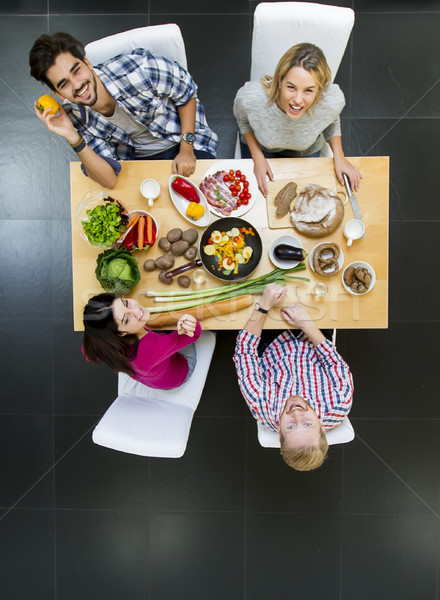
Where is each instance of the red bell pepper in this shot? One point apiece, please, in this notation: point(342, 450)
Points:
point(185, 189)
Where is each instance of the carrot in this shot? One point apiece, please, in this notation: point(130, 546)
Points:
point(131, 223)
point(149, 230)
point(141, 230)
point(204, 311)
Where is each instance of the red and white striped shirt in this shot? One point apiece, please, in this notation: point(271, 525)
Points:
point(292, 366)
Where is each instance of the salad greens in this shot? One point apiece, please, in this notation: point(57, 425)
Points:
point(104, 224)
point(117, 271)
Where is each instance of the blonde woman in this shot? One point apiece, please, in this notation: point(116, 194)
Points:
point(293, 114)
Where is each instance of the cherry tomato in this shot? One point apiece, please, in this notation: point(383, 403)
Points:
point(231, 173)
point(245, 201)
point(242, 196)
point(237, 173)
point(245, 184)
point(238, 188)
point(237, 181)
point(239, 202)
point(232, 187)
point(226, 177)
point(249, 196)
point(242, 177)
point(234, 192)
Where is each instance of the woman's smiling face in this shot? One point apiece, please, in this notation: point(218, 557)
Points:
point(298, 92)
point(129, 315)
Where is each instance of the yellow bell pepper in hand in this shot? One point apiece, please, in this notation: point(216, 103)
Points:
point(195, 211)
point(47, 101)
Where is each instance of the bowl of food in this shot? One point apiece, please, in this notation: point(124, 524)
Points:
point(102, 219)
point(287, 252)
point(326, 259)
point(141, 232)
point(359, 278)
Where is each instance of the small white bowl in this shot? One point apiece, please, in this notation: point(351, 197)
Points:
point(340, 260)
point(290, 240)
point(360, 263)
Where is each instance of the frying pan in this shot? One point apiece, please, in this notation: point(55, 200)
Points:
point(210, 263)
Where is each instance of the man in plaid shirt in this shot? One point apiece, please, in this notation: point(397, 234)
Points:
point(136, 105)
point(299, 387)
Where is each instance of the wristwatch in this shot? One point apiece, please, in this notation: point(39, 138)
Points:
point(261, 310)
point(188, 137)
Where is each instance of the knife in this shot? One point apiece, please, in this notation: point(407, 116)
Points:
point(354, 204)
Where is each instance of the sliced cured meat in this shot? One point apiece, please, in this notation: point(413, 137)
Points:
point(218, 194)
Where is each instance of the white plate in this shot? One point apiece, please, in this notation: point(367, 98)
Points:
point(226, 165)
point(340, 259)
point(360, 263)
point(290, 240)
point(181, 204)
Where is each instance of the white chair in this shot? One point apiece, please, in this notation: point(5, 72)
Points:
point(280, 25)
point(340, 434)
point(151, 422)
point(165, 40)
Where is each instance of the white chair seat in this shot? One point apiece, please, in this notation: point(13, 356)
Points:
point(165, 40)
point(340, 434)
point(151, 422)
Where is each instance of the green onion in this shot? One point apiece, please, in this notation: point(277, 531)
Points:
point(185, 299)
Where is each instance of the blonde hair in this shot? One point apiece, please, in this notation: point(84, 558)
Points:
point(306, 458)
point(309, 57)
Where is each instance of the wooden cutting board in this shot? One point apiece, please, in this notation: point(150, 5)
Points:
point(328, 181)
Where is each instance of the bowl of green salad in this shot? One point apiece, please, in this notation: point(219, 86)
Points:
point(102, 219)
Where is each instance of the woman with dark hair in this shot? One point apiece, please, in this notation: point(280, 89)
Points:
point(293, 114)
point(116, 333)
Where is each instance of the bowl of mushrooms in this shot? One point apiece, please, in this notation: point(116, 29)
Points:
point(358, 278)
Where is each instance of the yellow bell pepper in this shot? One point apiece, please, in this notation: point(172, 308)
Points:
point(47, 101)
point(195, 211)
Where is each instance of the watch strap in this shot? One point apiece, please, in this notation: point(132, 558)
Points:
point(260, 309)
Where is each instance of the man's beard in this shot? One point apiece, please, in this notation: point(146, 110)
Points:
point(94, 98)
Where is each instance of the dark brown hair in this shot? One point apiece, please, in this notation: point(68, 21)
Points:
point(102, 340)
point(47, 48)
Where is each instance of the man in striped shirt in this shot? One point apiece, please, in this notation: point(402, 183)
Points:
point(300, 386)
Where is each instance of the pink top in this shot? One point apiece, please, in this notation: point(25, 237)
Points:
point(158, 364)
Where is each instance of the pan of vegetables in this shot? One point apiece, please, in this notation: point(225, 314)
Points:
point(230, 250)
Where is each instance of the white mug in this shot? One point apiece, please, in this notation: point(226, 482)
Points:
point(150, 189)
point(353, 230)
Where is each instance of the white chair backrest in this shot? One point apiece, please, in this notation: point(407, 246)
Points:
point(340, 434)
point(165, 40)
point(280, 25)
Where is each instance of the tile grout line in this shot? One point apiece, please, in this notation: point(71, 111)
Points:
point(340, 523)
point(398, 477)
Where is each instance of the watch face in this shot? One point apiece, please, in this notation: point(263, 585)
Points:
point(190, 138)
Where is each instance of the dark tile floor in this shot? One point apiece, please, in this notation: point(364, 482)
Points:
point(228, 520)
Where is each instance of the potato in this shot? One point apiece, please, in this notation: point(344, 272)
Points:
point(166, 261)
point(150, 265)
point(174, 235)
point(190, 236)
point(179, 248)
point(164, 244)
point(184, 281)
point(191, 253)
point(163, 279)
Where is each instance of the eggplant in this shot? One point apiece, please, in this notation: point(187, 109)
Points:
point(286, 252)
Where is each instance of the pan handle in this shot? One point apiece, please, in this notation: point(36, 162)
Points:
point(191, 265)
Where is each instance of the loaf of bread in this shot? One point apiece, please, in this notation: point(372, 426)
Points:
point(317, 211)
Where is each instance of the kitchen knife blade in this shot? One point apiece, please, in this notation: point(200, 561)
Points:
point(353, 200)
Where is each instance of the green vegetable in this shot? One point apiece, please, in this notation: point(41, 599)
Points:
point(104, 224)
point(190, 298)
point(117, 271)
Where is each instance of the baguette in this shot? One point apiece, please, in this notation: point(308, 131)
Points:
point(204, 311)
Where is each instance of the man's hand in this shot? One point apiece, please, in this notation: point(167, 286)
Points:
point(185, 162)
point(297, 316)
point(61, 124)
point(273, 294)
point(186, 325)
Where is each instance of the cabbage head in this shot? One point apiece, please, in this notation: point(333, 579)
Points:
point(117, 271)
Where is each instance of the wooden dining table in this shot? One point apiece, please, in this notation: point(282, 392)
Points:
point(336, 309)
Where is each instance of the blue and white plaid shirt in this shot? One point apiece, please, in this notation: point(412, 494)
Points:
point(150, 88)
point(293, 367)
